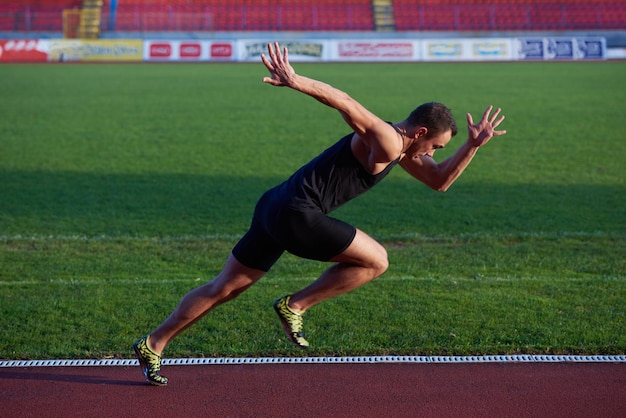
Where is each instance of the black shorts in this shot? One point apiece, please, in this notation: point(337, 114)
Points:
point(307, 234)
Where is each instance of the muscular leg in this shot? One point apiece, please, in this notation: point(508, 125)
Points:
point(230, 283)
point(364, 260)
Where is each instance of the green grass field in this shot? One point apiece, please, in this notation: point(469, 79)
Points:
point(124, 186)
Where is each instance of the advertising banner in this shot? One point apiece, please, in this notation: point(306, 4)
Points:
point(95, 50)
point(20, 50)
point(488, 49)
point(591, 48)
point(337, 50)
point(561, 49)
point(491, 49)
point(188, 50)
point(375, 50)
point(302, 50)
point(442, 50)
point(530, 49)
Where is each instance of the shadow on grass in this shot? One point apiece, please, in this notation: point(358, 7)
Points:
point(52, 203)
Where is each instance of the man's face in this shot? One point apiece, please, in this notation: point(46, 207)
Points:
point(423, 147)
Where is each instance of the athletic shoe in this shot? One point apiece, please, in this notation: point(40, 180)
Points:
point(150, 362)
point(291, 321)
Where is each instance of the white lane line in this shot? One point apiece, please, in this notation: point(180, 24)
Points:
point(517, 358)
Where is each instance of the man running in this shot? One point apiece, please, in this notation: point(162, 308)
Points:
point(293, 216)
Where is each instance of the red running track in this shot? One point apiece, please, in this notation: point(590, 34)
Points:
point(320, 390)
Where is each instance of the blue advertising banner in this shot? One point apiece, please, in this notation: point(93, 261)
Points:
point(530, 49)
point(591, 48)
point(561, 48)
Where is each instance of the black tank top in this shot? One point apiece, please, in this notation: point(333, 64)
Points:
point(328, 181)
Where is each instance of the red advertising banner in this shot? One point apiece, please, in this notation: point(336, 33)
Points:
point(24, 50)
point(221, 50)
point(191, 50)
point(160, 50)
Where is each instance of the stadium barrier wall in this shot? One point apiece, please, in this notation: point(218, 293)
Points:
point(314, 50)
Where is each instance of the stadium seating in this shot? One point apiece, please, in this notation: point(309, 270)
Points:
point(503, 15)
point(242, 15)
point(47, 3)
point(323, 15)
point(34, 15)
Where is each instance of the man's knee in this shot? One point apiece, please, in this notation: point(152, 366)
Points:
point(377, 260)
point(367, 253)
point(380, 262)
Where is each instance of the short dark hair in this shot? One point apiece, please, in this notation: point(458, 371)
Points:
point(436, 117)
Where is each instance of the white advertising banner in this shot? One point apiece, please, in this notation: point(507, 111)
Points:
point(485, 49)
point(375, 50)
point(188, 50)
point(300, 50)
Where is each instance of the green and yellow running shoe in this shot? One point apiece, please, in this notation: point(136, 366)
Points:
point(149, 361)
point(291, 321)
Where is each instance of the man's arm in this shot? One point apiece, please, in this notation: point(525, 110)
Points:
point(368, 126)
point(440, 176)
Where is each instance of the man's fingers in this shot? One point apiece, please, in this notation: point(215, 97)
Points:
point(267, 63)
point(277, 58)
point(495, 115)
point(272, 53)
point(497, 122)
point(469, 119)
point(276, 54)
point(486, 114)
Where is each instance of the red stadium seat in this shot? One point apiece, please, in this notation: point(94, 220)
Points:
point(513, 17)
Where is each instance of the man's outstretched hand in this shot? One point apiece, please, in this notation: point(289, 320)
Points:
point(281, 72)
point(480, 133)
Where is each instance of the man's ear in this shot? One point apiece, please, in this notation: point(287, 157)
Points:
point(421, 132)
